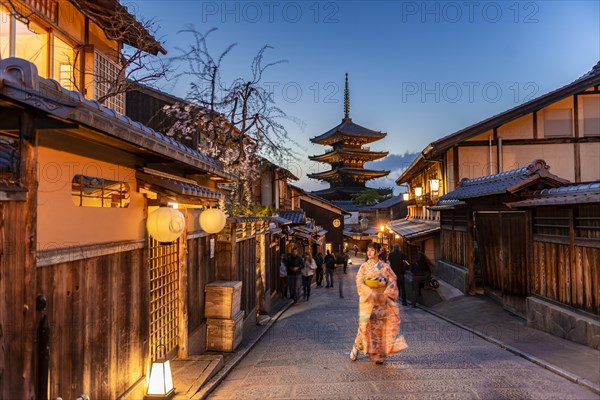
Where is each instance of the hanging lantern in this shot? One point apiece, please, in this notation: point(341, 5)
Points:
point(405, 196)
point(165, 224)
point(418, 191)
point(212, 220)
point(434, 184)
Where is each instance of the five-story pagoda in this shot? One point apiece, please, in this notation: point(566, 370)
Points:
point(347, 175)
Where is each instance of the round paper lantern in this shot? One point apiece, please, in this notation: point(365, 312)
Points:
point(212, 220)
point(166, 224)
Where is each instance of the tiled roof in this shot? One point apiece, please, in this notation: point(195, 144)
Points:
point(392, 201)
point(414, 228)
point(296, 216)
point(314, 196)
point(349, 128)
point(179, 187)
point(281, 221)
point(20, 82)
point(584, 193)
point(349, 206)
point(448, 204)
point(349, 171)
point(504, 182)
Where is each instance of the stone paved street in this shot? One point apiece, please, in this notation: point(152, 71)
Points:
point(305, 355)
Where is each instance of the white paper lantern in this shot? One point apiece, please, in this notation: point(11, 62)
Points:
point(212, 220)
point(166, 224)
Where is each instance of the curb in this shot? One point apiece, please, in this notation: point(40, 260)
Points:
point(212, 384)
point(550, 367)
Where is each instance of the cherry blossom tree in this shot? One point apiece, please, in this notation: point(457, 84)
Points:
point(235, 122)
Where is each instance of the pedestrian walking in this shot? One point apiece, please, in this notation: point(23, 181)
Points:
point(420, 274)
point(319, 271)
point(379, 316)
point(329, 268)
point(283, 278)
point(294, 273)
point(346, 259)
point(398, 262)
point(308, 270)
point(340, 268)
point(355, 250)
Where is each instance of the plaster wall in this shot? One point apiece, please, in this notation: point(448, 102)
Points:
point(590, 161)
point(520, 128)
point(474, 161)
point(60, 223)
point(560, 158)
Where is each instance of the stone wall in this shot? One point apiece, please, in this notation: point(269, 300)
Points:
point(563, 322)
point(452, 274)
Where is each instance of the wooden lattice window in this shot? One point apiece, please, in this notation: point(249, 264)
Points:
point(587, 222)
point(551, 221)
point(88, 191)
point(164, 289)
point(9, 159)
point(106, 77)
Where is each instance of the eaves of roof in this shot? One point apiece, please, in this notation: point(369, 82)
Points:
point(118, 23)
point(20, 83)
point(583, 193)
point(438, 147)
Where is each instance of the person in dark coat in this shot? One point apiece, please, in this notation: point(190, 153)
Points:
point(420, 273)
point(329, 268)
point(319, 261)
point(295, 264)
point(397, 261)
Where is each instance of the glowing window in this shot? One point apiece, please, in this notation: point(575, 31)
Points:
point(64, 57)
point(32, 45)
point(4, 34)
point(87, 191)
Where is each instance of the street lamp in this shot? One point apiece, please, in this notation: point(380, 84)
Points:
point(381, 230)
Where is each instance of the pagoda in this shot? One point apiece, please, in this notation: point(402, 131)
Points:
point(347, 175)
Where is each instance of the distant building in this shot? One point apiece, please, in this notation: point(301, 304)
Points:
point(347, 175)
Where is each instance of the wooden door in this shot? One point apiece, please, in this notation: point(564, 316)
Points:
point(504, 241)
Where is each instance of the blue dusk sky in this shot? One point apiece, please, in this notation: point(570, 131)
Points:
point(418, 70)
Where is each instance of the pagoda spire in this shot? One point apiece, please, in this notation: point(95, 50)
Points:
point(346, 100)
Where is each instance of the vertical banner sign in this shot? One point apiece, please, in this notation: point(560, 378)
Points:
point(212, 248)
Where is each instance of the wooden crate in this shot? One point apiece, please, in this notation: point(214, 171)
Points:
point(223, 299)
point(224, 334)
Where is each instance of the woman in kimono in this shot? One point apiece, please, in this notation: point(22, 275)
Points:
point(379, 316)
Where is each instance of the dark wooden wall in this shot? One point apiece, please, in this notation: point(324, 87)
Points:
point(18, 317)
point(454, 247)
point(98, 311)
point(504, 242)
point(246, 268)
point(566, 255)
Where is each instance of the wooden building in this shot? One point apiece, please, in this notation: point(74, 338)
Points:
point(77, 181)
point(327, 216)
point(562, 127)
point(484, 245)
point(347, 175)
point(563, 264)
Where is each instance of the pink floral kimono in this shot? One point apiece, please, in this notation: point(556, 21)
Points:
point(378, 323)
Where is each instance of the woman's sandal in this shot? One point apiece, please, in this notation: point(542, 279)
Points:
point(354, 353)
